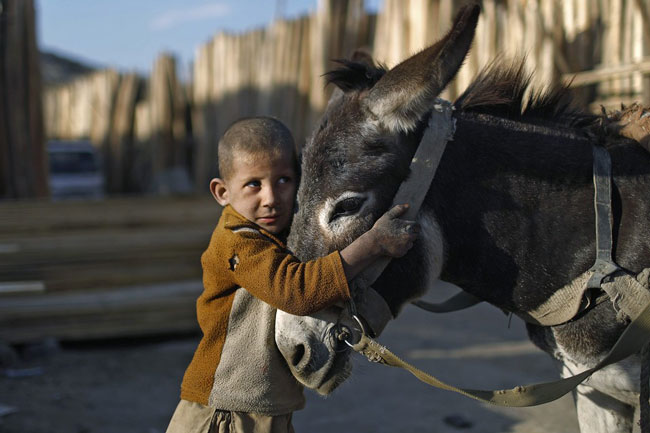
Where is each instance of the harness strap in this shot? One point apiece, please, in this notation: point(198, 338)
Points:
point(631, 341)
point(422, 170)
point(576, 296)
point(457, 302)
point(604, 265)
point(374, 310)
point(629, 294)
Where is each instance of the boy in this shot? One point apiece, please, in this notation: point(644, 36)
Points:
point(238, 380)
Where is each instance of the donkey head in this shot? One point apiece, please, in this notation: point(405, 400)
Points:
point(360, 152)
point(352, 167)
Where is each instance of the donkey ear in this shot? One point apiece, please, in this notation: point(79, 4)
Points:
point(402, 96)
point(335, 96)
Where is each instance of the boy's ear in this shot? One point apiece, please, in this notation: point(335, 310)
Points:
point(219, 191)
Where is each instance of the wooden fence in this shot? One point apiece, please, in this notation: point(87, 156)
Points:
point(149, 126)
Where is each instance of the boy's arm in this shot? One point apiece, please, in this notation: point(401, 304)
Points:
point(278, 278)
point(281, 280)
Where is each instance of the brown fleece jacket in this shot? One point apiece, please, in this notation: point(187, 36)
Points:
point(247, 274)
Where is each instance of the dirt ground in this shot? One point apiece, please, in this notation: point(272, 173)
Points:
point(132, 386)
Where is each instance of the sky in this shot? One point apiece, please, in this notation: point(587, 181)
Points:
point(129, 34)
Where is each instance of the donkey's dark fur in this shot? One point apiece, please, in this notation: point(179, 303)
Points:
point(551, 136)
point(512, 198)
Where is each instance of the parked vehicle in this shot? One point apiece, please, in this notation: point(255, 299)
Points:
point(75, 170)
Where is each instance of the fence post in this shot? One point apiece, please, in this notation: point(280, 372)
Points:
point(23, 162)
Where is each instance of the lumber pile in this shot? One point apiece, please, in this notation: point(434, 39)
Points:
point(625, 41)
point(114, 268)
point(275, 71)
point(147, 126)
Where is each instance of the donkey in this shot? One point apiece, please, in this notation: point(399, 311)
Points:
point(509, 217)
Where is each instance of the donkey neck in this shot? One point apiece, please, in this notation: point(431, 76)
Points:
point(514, 201)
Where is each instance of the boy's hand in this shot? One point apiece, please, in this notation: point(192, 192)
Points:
point(390, 236)
point(393, 235)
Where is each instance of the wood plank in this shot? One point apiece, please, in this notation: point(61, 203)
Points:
point(42, 216)
point(607, 73)
point(90, 246)
point(84, 278)
point(136, 310)
point(13, 287)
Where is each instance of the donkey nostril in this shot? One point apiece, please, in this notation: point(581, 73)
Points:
point(298, 354)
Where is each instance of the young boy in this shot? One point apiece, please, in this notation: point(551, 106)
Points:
point(238, 380)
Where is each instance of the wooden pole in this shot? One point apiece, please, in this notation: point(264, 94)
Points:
point(23, 158)
point(120, 155)
point(607, 73)
point(645, 23)
point(168, 126)
point(203, 116)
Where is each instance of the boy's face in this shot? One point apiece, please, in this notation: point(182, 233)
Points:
point(262, 188)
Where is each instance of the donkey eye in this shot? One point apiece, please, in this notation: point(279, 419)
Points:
point(348, 206)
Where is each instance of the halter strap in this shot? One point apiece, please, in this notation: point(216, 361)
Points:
point(631, 341)
point(423, 168)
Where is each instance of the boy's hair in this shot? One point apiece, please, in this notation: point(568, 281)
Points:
point(254, 135)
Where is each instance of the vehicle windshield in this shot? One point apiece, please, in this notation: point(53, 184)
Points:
point(72, 162)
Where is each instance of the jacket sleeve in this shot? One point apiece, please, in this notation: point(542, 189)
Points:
point(278, 278)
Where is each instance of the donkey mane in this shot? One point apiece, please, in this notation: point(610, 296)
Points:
point(354, 75)
point(501, 89)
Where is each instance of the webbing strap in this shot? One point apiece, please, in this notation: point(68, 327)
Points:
point(457, 302)
point(635, 336)
point(625, 291)
point(422, 170)
point(604, 264)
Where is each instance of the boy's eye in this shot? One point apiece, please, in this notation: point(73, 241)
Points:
point(254, 184)
point(284, 179)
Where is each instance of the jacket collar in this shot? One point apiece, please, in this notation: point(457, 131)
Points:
point(234, 220)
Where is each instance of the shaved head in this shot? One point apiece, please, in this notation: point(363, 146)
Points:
point(254, 136)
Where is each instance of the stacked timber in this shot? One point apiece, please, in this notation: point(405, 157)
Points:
point(276, 71)
point(83, 107)
point(507, 29)
point(558, 40)
point(139, 126)
point(625, 42)
point(121, 267)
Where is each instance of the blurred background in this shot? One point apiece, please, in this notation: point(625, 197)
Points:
point(110, 113)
